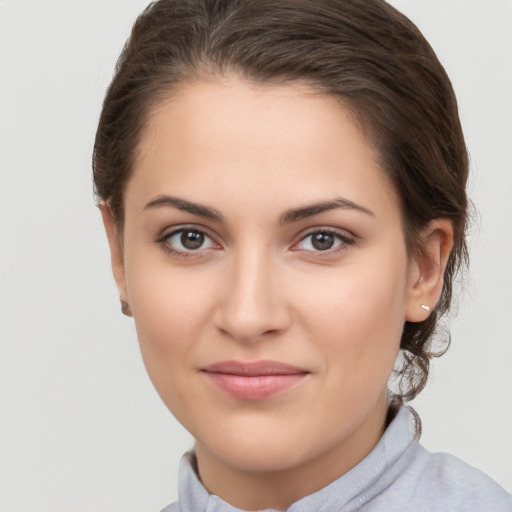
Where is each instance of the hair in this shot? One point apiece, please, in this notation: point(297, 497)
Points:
point(363, 52)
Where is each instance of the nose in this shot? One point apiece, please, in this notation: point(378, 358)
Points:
point(253, 305)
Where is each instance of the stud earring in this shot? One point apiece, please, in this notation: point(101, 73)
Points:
point(425, 307)
point(125, 308)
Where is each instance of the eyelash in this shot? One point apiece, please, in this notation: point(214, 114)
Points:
point(343, 241)
point(342, 238)
point(165, 238)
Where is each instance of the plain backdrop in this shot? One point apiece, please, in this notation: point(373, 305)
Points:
point(81, 428)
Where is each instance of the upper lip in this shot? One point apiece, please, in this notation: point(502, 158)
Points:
point(253, 368)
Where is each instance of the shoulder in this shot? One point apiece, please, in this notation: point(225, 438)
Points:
point(440, 481)
point(415, 479)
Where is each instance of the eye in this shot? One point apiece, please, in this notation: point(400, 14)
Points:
point(187, 240)
point(323, 241)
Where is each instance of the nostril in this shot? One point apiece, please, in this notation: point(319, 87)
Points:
point(256, 326)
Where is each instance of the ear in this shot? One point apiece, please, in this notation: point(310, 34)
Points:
point(427, 270)
point(116, 250)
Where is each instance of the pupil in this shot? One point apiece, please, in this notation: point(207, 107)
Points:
point(323, 241)
point(192, 239)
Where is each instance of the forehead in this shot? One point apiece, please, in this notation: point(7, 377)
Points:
point(287, 143)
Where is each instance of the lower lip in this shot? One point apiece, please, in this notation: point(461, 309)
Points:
point(254, 387)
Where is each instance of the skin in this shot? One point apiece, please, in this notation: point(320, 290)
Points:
point(259, 290)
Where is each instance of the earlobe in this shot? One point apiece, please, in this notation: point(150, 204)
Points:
point(116, 249)
point(427, 270)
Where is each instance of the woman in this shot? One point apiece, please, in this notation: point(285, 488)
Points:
point(282, 185)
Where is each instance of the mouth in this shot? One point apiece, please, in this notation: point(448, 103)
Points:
point(253, 380)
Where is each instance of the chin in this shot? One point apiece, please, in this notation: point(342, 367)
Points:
point(261, 457)
point(261, 446)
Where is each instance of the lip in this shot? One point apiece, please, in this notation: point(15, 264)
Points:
point(254, 380)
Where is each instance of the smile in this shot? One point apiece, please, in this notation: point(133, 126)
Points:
point(255, 380)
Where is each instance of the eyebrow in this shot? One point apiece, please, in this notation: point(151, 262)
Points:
point(308, 211)
point(185, 206)
point(288, 217)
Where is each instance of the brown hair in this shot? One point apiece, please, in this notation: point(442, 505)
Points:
point(363, 52)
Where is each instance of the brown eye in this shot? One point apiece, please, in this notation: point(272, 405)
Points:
point(192, 239)
point(322, 241)
point(187, 240)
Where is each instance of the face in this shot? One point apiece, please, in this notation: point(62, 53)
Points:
point(265, 266)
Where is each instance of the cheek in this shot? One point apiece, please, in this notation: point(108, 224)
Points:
point(170, 310)
point(357, 315)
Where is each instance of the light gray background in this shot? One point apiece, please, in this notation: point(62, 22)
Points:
point(81, 428)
